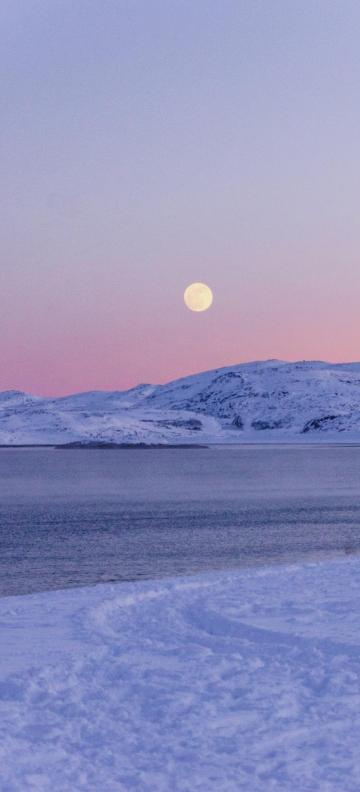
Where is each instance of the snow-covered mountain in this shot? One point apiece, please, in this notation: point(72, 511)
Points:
point(270, 401)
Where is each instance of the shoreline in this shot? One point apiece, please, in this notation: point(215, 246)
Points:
point(183, 446)
point(262, 566)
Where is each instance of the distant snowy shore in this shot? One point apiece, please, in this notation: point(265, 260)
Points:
point(227, 681)
point(270, 401)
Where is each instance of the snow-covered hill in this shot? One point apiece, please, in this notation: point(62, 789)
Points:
point(270, 401)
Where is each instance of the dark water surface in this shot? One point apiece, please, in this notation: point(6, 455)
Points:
point(71, 518)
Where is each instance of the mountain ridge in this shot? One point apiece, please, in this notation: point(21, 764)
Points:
point(260, 401)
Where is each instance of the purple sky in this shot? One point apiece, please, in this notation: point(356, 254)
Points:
point(148, 144)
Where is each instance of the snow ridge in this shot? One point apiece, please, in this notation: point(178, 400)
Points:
point(268, 401)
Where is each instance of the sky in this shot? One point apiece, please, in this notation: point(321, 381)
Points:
point(147, 144)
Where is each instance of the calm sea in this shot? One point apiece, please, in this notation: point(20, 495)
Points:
point(73, 518)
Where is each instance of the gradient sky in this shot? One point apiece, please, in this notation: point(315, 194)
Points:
point(146, 144)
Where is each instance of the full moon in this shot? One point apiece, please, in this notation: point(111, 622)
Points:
point(198, 297)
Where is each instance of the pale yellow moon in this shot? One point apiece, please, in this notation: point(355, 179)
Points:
point(198, 297)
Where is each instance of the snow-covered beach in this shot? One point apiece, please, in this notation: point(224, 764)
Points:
point(246, 680)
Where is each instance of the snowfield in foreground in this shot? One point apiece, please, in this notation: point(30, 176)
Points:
point(243, 681)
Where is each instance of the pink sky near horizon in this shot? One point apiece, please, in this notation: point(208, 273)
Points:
point(145, 148)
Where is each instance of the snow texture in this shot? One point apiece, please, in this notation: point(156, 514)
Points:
point(252, 402)
point(229, 681)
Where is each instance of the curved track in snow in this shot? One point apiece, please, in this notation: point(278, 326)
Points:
point(242, 681)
